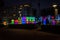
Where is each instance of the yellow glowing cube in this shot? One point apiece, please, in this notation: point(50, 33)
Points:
point(19, 22)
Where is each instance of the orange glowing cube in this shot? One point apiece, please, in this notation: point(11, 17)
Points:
point(4, 23)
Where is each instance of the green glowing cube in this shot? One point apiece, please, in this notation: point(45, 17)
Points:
point(12, 21)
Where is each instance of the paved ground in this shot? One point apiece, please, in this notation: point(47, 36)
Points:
point(22, 34)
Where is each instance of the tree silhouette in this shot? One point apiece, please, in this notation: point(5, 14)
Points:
point(47, 11)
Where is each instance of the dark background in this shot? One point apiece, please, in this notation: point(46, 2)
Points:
point(43, 3)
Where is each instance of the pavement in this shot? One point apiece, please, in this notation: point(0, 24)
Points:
point(23, 34)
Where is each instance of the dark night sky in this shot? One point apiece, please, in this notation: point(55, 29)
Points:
point(47, 3)
point(43, 3)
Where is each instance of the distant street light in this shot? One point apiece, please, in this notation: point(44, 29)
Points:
point(54, 6)
point(56, 12)
point(20, 15)
point(55, 9)
point(19, 11)
point(26, 5)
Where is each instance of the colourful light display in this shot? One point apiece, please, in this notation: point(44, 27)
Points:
point(52, 17)
point(16, 21)
point(49, 18)
point(23, 20)
point(30, 20)
point(19, 20)
point(44, 22)
point(57, 17)
point(40, 19)
point(12, 21)
point(53, 22)
point(4, 23)
point(27, 20)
